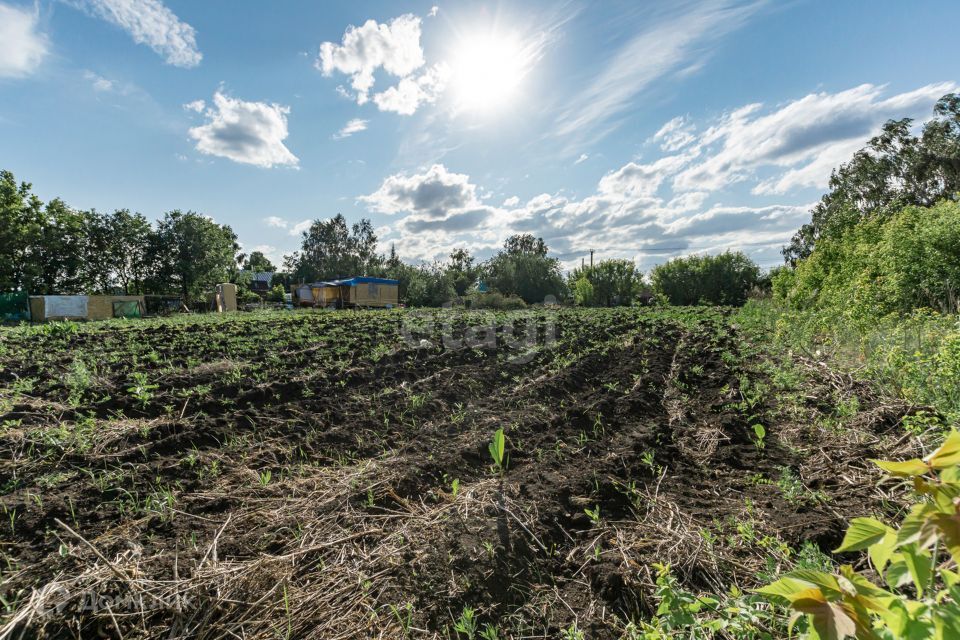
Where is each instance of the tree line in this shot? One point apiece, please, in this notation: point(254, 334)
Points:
point(54, 249)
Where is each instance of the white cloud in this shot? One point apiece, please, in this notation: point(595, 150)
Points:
point(394, 47)
point(512, 201)
point(668, 45)
point(22, 46)
point(407, 96)
point(275, 221)
point(197, 106)
point(151, 23)
point(675, 134)
point(98, 82)
point(583, 158)
point(246, 132)
point(300, 227)
point(434, 10)
point(434, 193)
point(817, 131)
point(356, 125)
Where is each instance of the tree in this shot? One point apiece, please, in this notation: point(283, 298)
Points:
point(258, 263)
point(523, 268)
point(894, 170)
point(462, 271)
point(191, 253)
point(130, 235)
point(611, 283)
point(60, 252)
point(725, 279)
point(21, 221)
point(331, 249)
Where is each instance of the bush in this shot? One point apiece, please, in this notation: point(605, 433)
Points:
point(922, 595)
point(494, 300)
point(725, 279)
point(908, 261)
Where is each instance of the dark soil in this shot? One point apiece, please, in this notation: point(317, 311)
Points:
point(292, 475)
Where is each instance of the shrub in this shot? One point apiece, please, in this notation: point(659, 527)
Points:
point(726, 278)
point(494, 300)
point(908, 261)
point(922, 594)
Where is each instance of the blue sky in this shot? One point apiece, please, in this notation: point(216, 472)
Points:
point(641, 130)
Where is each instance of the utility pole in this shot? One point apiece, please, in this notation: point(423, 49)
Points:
point(591, 258)
point(581, 263)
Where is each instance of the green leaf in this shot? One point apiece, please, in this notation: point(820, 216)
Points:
point(905, 469)
point(918, 564)
point(784, 587)
point(948, 454)
point(497, 447)
point(862, 533)
point(880, 552)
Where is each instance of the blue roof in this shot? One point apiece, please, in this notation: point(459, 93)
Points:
point(350, 282)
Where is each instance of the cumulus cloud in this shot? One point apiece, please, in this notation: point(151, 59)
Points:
point(197, 105)
point(22, 46)
point(583, 158)
point(276, 221)
point(246, 132)
point(434, 10)
point(151, 23)
point(394, 47)
point(356, 125)
point(817, 131)
point(407, 96)
point(434, 193)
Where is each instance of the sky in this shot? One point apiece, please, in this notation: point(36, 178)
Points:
point(639, 130)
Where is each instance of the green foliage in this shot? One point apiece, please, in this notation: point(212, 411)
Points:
point(495, 300)
point(724, 279)
point(192, 253)
point(257, 262)
point(681, 614)
point(523, 269)
point(921, 596)
point(277, 293)
point(916, 357)
point(332, 249)
point(606, 284)
point(907, 260)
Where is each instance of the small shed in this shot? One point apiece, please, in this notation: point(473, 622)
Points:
point(363, 291)
point(86, 307)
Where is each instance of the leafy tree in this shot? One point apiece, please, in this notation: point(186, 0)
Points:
point(258, 263)
point(462, 271)
point(21, 220)
point(726, 279)
point(523, 268)
point(611, 282)
point(428, 286)
point(192, 253)
point(332, 249)
point(894, 170)
point(59, 254)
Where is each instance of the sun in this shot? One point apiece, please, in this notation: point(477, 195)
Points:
point(487, 71)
